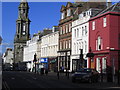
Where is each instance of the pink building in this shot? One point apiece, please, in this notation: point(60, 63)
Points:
point(104, 39)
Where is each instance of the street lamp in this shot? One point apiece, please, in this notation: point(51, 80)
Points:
point(35, 60)
point(90, 55)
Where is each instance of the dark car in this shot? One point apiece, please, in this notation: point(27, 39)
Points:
point(85, 75)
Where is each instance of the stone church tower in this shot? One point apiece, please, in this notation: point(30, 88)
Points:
point(22, 31)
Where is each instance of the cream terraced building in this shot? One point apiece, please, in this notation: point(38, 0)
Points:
point(49, 48)
point(49, 45)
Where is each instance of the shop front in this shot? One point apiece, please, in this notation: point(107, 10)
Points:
point(53, 64)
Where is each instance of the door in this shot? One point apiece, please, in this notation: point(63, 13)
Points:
point(104, 65)
point(98, 66)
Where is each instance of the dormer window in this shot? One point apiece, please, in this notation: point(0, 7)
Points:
point(84, 14)
point(62, 15)
point(68, 12)
point(81, 15)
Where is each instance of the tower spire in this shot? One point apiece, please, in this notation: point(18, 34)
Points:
point(24, 1)
point(22, 31)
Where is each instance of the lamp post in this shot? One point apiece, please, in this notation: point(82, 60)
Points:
point(81, 59)
point(90, 55)
point(35, 60)
point(66, 62)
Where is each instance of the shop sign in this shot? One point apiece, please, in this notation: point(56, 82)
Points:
point(43, 60)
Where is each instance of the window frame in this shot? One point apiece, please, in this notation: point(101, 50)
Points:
point(104, 22)
point(68, 12)
point(62, 15)
point(93, 25)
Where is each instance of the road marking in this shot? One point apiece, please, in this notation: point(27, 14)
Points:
point(5, 85)
point(35, 78)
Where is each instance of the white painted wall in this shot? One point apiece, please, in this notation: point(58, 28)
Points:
point(8, 56)
point(29, 51)
point(80, 34)
point(49, 44)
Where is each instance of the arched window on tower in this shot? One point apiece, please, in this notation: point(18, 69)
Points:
point(18, 28)
point(23, 32)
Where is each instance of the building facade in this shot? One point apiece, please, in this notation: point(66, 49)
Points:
point(22, 31)
point(8, 56)
point(35, 46)
point(29, 51)
point(80, 39)
point(104, 40)
point(49, 48)
point(65, 35)
point(70, 13)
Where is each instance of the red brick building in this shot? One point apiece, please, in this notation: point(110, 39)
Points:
point(104, 39)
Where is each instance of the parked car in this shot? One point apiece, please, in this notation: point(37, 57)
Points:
point(7, 67)
point(86, 75)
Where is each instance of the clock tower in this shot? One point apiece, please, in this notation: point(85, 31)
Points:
point(22, 31)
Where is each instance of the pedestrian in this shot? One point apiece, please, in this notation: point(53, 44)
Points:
point(42, 71)
point(46, 71)
point(29, 69)
point(62, 69)
point(58, 74)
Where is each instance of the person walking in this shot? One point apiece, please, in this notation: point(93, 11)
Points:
point(46, 71)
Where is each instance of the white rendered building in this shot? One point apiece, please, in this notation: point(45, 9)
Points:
point(8, 56)
point(80, 36)
point(49, 48)
point(49, 45)
point(29, 51)
point(37, 45)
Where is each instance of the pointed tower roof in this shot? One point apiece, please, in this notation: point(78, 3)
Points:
point(24, 1)
point(24, 4)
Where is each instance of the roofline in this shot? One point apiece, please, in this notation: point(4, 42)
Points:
point(109, 12)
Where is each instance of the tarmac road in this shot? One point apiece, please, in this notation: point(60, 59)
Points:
point(17, 79)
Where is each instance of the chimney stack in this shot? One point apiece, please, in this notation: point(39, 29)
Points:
point(109, 3)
